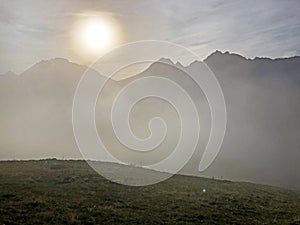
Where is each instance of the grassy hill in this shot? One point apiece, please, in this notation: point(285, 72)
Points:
point(70, 192)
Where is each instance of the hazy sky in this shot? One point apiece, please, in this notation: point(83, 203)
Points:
point(32, 30)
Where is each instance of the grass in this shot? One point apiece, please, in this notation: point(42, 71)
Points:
point(70, 192)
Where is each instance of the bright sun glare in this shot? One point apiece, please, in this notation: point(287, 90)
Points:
point(93, 35)
point(96, 35)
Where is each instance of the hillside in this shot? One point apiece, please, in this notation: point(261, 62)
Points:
point(70, 192)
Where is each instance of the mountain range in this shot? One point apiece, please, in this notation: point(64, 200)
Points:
point(262, 99)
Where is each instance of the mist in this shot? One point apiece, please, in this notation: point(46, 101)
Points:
point(262, 99)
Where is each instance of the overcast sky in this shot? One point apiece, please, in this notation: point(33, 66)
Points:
point(32, 30)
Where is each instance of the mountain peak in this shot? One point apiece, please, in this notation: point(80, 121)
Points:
point(217, 54)
point(54, 64)
point(166, 60)
point(194, 63)
point(9, 73)
point(54, 61)
point(234, 56)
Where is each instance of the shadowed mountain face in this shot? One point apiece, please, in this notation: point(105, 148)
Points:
point(263, 131)
point(262, 97)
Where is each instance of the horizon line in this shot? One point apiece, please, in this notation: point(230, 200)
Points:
point(11, 72)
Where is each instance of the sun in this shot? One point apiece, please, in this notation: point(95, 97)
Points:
point(94, 34)
point(97, 35)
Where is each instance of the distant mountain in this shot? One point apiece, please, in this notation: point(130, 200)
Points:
point(35, 112)
point(262, 97)
point(8, 73)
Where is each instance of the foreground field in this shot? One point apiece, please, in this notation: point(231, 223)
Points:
point(69, 192)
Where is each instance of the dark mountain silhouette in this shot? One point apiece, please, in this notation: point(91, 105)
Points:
point(262, 98)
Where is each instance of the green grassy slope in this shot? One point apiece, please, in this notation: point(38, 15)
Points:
point(69, 192)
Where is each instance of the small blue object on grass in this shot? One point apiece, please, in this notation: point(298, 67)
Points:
point(203, 190)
